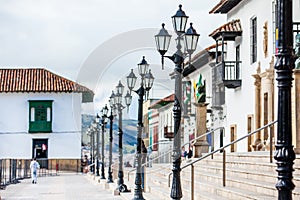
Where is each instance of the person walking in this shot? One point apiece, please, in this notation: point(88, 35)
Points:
point(34, 166)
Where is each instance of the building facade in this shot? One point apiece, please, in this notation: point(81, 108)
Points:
point(246, 69)
point(161, 128)
point(41, 115)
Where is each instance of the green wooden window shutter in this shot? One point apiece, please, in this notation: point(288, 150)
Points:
point(40, 116)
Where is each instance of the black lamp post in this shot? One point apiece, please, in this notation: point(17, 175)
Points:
point(118, 103)
point(94, 149)
point(146, 84)
point(284, 65)
point(111, 117)
point(103, 122)
point(162, 42)
point(90, 133)
point(96, 128)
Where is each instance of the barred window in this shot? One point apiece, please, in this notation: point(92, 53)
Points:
point(253, 40)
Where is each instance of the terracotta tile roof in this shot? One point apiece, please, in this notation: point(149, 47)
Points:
point(162, 102)
point(225, 6)
point(232, 26)
point(37, 80)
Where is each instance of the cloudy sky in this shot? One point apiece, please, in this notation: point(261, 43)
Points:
point(95, 42)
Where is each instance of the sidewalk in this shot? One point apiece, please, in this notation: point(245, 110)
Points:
point(66, 186)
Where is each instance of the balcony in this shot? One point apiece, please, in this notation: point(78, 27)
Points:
point(228, 73)
point(168, 132)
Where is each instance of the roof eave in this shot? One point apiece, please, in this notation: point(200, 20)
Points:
point(224, 7)
point(228, 35)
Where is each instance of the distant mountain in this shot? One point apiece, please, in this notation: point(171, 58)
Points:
point(129, 133)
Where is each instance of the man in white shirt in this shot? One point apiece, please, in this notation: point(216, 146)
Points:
point(34, 166)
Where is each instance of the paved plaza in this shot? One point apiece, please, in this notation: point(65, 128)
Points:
point(66, 186)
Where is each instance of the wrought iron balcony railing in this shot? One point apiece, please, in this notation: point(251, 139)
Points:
point(229, 73)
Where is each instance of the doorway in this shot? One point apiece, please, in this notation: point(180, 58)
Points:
point(233, 138)
point(266, 115)
point(40, 151)
point(249, 130)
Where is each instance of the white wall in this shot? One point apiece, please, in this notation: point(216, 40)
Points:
point(64, 142)
point(240, 101)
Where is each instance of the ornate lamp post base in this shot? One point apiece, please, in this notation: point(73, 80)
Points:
point(122, 188)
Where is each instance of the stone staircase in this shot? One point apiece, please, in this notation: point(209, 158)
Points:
point(248, 176)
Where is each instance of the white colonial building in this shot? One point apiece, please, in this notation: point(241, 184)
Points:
point(245, 69)
point(40, 115)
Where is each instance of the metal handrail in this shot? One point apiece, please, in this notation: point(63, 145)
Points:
point(195, 139)
point(223, 150)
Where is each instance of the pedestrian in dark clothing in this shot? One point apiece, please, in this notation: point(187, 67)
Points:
point(190, 153)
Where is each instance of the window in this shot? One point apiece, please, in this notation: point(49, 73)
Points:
point(253, 40)
point(155, 138)
point(40, 116)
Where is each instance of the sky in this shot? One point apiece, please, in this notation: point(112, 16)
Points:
point(97, 42)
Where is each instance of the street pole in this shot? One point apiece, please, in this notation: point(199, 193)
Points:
point(102, 149)
point(284, 154)
point(177, 58)
point(121, 186)
point(138, 192)
point(111, 117)
point(146, 84)
point(93, 150)
point(190, 38)
point(97, 148)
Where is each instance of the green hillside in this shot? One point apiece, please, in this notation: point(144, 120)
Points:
point(129, 133)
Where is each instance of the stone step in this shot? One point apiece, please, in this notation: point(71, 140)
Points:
point(258, 156)
point(206, 190)
point(227, 192)
point(268, 167)
point(265, 176)
point(257, 187)
point(163, 191)
point(246, 178)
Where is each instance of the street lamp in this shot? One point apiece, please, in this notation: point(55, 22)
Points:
point(118, 105)
point(284, 65)
point(162, 39)
point(146, 84)
point(90, 133)
point(95, 126)
point(103, 122)
point(110, 117)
